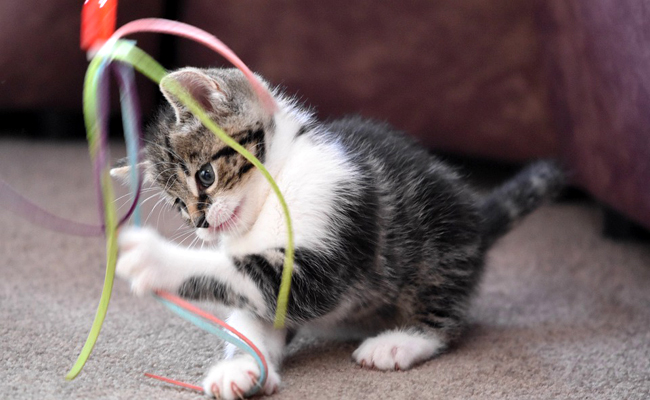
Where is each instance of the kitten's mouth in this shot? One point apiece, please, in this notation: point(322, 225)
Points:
point(228, 224)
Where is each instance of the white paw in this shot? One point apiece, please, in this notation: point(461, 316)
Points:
point(396, 350)
point(234, 378)
point(144, 261)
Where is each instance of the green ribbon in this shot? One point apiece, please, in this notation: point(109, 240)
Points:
point(110, 220)
point(127, 52)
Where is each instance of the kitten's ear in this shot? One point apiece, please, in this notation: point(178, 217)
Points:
point(122, 170)
point(202, 87)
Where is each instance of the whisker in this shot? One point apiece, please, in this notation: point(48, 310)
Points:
point(152, 210)
point(184, 240)
point(149, 198)
point(180, 235)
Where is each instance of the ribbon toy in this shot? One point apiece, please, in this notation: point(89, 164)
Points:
point(111, 53)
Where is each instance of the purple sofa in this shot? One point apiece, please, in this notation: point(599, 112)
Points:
point(597, 59)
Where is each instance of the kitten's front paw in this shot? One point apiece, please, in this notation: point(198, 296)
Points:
point(232, 379)
point(144, 260)
point(396, 350)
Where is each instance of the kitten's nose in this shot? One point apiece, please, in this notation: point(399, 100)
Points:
point(201, 222)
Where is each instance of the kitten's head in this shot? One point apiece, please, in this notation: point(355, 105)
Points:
point(204, 179)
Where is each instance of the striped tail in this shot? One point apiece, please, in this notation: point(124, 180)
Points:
point(537, 183)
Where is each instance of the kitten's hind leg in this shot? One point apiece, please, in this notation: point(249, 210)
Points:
point(399, 349)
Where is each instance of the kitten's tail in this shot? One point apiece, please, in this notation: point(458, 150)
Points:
point(537, 183)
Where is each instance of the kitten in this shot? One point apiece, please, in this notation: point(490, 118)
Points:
point(389, 241)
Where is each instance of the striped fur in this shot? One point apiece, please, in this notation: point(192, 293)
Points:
point(389, 241)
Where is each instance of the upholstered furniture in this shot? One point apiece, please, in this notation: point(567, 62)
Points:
point(597, 61)
point(507, 80)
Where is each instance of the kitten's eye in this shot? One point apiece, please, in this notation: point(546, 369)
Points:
point(206, 175)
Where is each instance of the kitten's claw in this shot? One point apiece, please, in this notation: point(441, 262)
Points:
point(233, 378)
point(236, 390)
point(215, 391)
point(253, 377)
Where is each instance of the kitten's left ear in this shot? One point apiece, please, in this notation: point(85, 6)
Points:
point(202, 87)
point(122, 170)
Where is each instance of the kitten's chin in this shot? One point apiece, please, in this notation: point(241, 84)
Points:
point(207, 235)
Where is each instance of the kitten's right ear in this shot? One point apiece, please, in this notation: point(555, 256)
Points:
point(203, 88)
point(122, 170)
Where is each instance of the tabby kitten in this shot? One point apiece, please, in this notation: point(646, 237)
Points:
point(389, 241)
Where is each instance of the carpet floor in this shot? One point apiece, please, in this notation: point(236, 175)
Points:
point(562, 312)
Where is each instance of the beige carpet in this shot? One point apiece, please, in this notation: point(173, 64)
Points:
point(562, 313)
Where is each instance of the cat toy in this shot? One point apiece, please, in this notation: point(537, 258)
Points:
point(111, 53)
